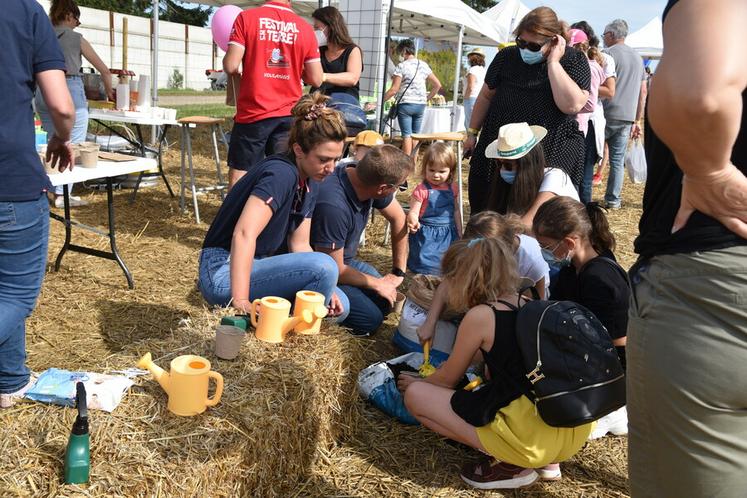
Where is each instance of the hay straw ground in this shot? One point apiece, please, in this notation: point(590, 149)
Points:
point(290, 423)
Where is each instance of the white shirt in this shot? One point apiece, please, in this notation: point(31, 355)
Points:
point(479, 73)
point(559, 183)
point(530, 262)
point(416, 92)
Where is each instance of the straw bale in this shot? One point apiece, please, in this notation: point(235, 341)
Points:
point(290, 423)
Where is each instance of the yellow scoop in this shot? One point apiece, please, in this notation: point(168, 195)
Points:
point(426, 368)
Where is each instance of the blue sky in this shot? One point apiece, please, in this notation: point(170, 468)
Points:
point(599, 12)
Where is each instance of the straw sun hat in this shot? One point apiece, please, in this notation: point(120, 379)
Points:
point(476, 51)
point(368, 138)
point(515, 140)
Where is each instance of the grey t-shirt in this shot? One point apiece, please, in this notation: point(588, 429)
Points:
point(630, 73)
point(70, 44)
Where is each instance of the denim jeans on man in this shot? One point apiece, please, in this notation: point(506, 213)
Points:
point(80, 128)
point(410, 118)
point(366, 308)
point(280, 276)
point(24, 232)
point(617, 134)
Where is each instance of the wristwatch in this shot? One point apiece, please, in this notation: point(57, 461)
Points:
point(397, 272)
point(473, 131)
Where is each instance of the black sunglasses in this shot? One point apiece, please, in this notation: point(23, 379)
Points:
point(531, 46)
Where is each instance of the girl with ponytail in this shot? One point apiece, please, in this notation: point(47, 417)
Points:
point(258, 243)
point(65, 17)
point(579, 239)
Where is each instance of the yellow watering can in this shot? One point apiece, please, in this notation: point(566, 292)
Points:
point(273, 322)
point(314, 303)
point(186, 384)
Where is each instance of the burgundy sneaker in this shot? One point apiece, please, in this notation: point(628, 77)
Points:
point(493, 474)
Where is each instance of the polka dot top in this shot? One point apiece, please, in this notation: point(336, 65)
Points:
point(523, 94)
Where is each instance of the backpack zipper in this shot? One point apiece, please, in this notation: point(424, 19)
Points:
point(535, 375)
point(599, 384)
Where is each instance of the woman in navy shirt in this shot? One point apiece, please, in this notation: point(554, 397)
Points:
point(258, 244)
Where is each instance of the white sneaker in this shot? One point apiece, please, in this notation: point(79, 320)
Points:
point(615, 423)
point(550, 472)
point(9, 399)
point(59, 201)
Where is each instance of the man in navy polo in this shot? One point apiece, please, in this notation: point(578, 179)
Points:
point(341, 213)
point(30, 55)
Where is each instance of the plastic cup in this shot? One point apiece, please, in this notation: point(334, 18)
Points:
point(399, 303)
point(228, 340)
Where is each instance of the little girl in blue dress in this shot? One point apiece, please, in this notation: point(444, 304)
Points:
point(433, 220)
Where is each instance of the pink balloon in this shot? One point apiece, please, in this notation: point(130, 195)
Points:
point(222, 24)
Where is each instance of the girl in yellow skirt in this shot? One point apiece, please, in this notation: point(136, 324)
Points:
point(522, 448)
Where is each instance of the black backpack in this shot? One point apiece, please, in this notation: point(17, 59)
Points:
point(571, 363)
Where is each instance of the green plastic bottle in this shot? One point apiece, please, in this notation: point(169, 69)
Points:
point(78, 452)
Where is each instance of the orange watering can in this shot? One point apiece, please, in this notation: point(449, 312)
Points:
point(314, 303)
point(269, 316)
point(186, 384)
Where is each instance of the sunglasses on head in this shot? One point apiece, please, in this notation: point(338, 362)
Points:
point(531, 46)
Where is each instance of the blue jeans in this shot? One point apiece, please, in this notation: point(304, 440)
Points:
point(80, 128)
point(410, 117)
point(24, 233)
point(589, 161)
point(366, 309)
point(280, 276)
point(617, 134)
point(469, 104)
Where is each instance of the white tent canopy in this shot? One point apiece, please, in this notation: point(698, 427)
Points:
point(648, 41)
point(505, 16)
point(432, 19)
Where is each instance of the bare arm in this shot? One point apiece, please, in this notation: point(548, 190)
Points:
point(568, 96)
point(479, 112)
point(312, 73)
point(352, 73)
point(435, 85)
point(91, 56)
point(350, 276)
point(702, 133)
point(438, 305)
point(635, 130)
point(607, 89)
point(61, 109)
point(396, 82)
point(471, 79)
point(254, 218)
point(395, 215)
point(232, 59)
point(528, 217)
point(298, 241)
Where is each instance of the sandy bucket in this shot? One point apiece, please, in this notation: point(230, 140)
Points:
point(89, 154)
point(228, 341)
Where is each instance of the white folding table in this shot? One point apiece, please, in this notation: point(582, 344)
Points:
point(107, 170)
point(138, 119)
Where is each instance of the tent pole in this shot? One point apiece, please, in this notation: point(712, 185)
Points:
point(154, 68)
point(382, 89)
point(457, 73)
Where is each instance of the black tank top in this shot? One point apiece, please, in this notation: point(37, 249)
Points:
point(338, 65)
point(661, 199)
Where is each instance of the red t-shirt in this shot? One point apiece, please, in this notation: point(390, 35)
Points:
point(277, 44)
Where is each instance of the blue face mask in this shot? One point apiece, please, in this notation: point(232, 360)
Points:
point(555, 262)
point(530, 57)
point(508, 176)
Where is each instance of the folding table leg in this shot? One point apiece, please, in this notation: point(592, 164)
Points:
point(112, 240)
point(161, 140)
point(217, 160)
point(68, 228)
point(183, 166)
point(192, 177)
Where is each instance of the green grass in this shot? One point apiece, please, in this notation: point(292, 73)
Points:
point(187, 91)
point(213, 110)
